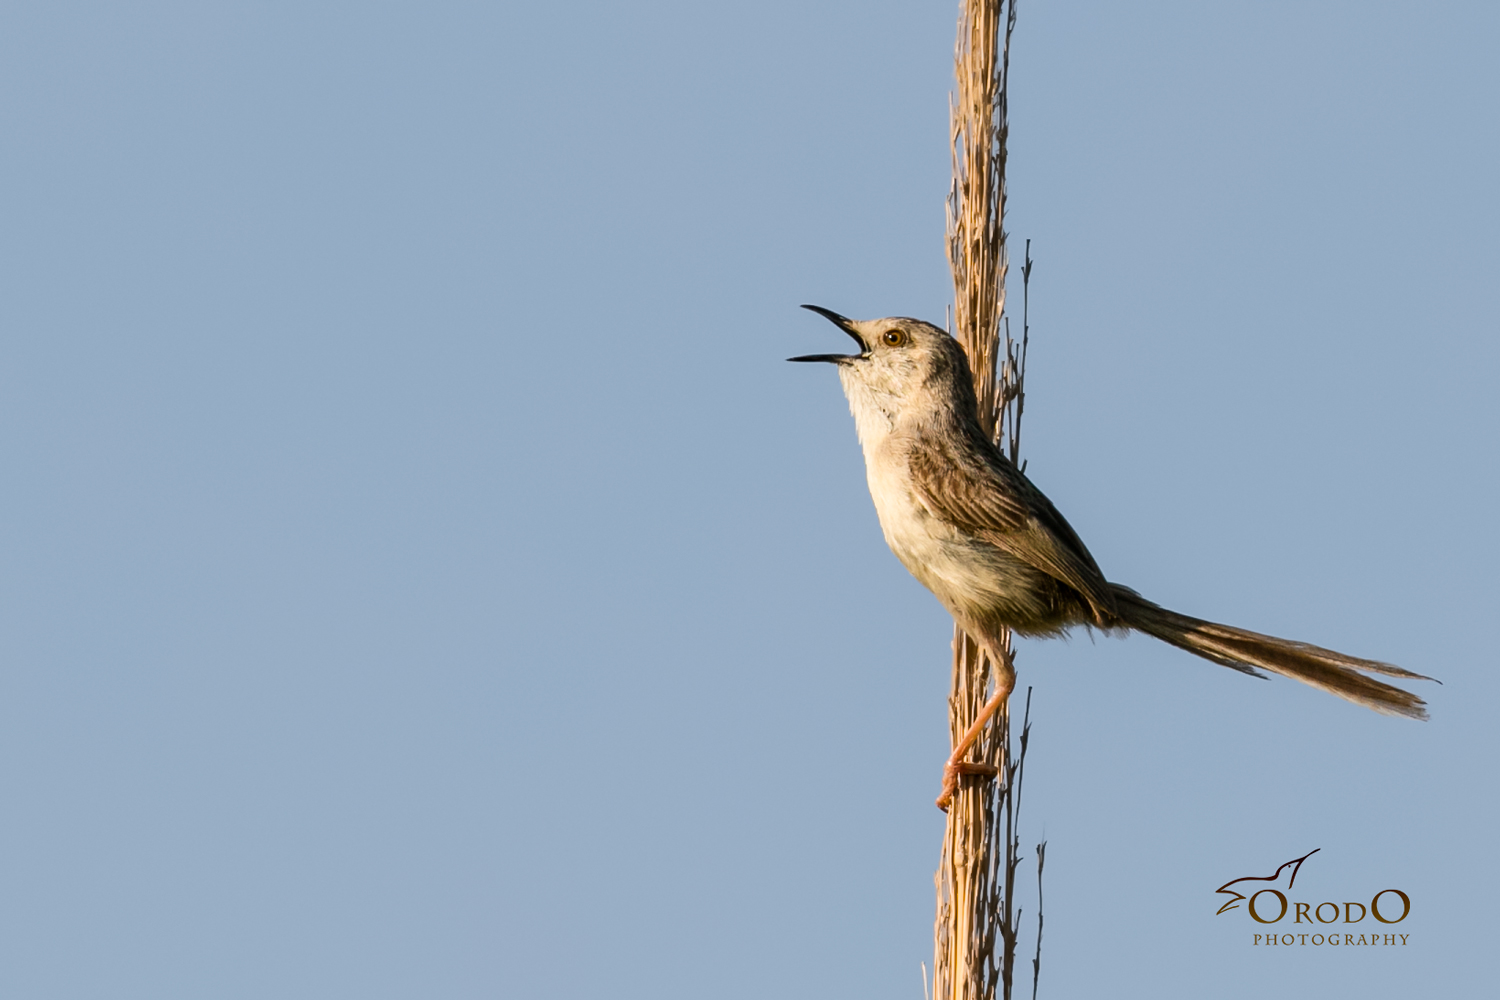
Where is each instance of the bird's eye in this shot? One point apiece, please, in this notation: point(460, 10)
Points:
point(894, 338)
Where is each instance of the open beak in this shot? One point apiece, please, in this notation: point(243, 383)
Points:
point(843, 324)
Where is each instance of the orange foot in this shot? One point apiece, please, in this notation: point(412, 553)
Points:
point(952, 770)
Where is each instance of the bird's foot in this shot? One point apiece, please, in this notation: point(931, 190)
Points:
point(952, 769)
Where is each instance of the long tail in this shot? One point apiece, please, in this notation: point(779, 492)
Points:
point(1244, 651)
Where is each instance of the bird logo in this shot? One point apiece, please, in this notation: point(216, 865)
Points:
point(1234, 897)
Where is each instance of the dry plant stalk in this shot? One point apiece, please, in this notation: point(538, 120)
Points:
point(976, 201)
point(976, 928)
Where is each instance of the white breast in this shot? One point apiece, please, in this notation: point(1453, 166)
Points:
point(965, 574)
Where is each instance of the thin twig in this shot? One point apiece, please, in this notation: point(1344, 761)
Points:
point(1036, 963)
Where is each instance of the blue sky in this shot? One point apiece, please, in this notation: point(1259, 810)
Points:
point(423, 576)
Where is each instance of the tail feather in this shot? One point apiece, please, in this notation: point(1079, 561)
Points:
point(1245, 651)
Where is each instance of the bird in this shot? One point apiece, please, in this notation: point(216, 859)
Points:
point(975, 531)
point(1234, 897)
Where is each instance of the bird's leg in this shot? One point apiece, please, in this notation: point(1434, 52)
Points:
point(1005, 682)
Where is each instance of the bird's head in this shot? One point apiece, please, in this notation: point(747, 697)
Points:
point(904, 368)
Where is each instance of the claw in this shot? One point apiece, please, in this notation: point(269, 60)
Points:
point(950, 785)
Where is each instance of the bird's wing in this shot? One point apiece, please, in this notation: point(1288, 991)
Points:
point(980, 492)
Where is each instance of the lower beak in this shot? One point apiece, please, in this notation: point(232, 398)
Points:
point(843, 323)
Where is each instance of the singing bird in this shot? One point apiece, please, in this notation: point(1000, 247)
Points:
point(994, 550)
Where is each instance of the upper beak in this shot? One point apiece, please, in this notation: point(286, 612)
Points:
point(843, 323)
